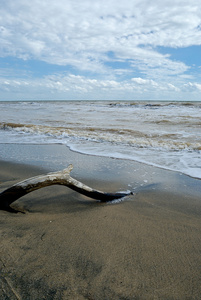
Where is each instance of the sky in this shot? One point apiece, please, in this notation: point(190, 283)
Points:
point(100, 50)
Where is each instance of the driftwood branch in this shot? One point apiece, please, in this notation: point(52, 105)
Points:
point(63, 177)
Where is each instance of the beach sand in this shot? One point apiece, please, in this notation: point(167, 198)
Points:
point(68, 246)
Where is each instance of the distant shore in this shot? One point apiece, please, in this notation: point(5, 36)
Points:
point(67, 246)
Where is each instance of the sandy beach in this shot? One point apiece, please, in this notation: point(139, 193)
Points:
point(68, 246)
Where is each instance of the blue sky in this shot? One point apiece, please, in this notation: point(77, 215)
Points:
point(100, 49)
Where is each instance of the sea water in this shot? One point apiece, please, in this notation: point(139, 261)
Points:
point(162, 134)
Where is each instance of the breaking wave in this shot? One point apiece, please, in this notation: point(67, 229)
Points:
point(167, 135)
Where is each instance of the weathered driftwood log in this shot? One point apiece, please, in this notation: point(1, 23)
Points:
point(60, 178)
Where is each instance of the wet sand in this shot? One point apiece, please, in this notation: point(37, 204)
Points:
point(67, 246)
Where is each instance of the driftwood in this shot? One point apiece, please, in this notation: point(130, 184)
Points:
point(60, 178)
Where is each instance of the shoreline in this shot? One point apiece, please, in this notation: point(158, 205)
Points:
point(78, 153)
point(68, 246)
point(96, 155)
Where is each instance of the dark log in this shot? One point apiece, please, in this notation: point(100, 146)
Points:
point(63, 177)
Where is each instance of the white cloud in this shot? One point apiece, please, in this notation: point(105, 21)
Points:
point(80, 87)
point(173, 87)
point(81, 32)
point(142, 81)
point(193, 86)
point(112, 40)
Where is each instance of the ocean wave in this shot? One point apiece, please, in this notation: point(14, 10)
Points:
point(165, 134)
point(132, 138)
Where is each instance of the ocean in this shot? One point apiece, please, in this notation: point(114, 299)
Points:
point(162, 134)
